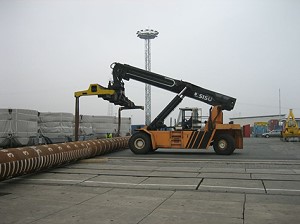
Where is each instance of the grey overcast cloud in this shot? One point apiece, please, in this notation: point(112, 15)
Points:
point(247, 49)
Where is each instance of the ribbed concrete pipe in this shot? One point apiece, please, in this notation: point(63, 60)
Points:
point(20, 161)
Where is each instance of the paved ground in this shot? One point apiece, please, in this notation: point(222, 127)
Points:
point(254, 149)
point(260, 184)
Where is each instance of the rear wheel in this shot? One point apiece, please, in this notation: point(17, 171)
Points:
point(224, 144)
point(140, 143)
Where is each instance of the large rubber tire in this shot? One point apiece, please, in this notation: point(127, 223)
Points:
point(140, 143)
point(224, 144)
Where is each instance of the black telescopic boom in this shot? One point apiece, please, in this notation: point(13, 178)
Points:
point(123, 71)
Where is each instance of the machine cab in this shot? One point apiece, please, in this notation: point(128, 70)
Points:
point(190, 119)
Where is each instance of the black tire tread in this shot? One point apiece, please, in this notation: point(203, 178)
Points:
point(230, 144)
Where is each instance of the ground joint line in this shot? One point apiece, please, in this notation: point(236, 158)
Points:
point(120, 183)
point(228, 187)
point(250, 188)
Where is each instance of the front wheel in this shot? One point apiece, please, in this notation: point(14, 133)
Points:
point(140, 143)
point(224, 144)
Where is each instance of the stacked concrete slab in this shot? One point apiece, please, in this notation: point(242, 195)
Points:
point(18, 127)
point(109, 124)
point(103, 125)
point(125, 128)
point(58, 127)
point(85, 127)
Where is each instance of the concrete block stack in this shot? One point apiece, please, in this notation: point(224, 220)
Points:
point(18, 127)
point(58, 127)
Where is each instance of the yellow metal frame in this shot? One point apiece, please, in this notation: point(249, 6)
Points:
point(291, 126)
point(95, 89)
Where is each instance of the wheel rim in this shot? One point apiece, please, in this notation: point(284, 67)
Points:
point(139, 143)
point(222, 144)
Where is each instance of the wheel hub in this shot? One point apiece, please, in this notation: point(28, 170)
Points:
point(222, 144)
point(139, 143)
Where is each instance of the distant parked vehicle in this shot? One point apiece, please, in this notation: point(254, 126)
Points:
point(274, 133)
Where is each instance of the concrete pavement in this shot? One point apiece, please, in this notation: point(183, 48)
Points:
point(152, 189)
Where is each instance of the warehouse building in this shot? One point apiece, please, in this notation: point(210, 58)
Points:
point(253, 119)
point(257, 125)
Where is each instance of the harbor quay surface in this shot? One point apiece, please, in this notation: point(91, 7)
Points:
point(259, 184)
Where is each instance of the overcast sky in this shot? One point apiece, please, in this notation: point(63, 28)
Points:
point(247, 49)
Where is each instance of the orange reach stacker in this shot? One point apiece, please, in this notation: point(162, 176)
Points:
point(224, 138)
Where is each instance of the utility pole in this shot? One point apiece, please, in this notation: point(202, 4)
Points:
point(279, 106)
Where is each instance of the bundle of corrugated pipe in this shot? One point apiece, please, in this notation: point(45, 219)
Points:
point(25, 160)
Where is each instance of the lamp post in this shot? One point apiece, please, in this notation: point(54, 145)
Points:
point(147, 35)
